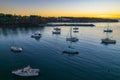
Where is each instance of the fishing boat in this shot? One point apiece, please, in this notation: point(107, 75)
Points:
point(71, 38)
point(26, 71)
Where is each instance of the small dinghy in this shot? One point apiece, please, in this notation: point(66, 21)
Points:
point(70, 50)
point(16, 49)
point(27, 71)
point(36, 35)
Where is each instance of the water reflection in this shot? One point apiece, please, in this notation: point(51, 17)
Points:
point(6, 32)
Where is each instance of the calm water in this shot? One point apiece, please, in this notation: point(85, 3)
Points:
point(95, 61)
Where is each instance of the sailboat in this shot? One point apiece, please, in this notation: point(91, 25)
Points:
point(70, 50)
point(108, 30)
point(107, 40)
point(71, 38)
point(15, 48)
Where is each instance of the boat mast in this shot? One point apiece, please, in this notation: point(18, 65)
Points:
point(71, 32)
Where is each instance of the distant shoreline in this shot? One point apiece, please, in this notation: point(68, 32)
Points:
point(34, 20)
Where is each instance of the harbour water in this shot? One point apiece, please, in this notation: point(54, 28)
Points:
point(95, 61)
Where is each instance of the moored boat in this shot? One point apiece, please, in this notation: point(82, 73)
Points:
point(16, 49)
point(27, 71)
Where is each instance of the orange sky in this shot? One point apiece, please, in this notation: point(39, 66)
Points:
point(56, 8)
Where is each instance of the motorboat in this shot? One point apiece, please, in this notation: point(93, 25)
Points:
point(57, 29)
point(27, 71)
point(76, 31)
point(16, 49)
point(75, 28)
point(36, 35)
point(108, 30)
point(70, 50)
point(56, 32)
point(108, 41)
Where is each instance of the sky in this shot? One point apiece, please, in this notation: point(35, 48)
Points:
point(57, 8)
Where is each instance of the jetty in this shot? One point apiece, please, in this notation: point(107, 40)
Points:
point(72, 24)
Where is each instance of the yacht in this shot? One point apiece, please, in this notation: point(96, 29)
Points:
point(108, 41)
point(27, 71)
point(108, 30)
point(16, 49)
point(71, 38)
point(36, 35)
point(70, 50)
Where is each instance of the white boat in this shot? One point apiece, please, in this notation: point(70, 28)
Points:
point(71, 38)
point(36, 35)
point(16, 49)
point(108, 41)
point(70, 50)
point(27, 71)
point(108, 30)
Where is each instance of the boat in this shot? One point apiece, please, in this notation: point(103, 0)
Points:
point(71, 38)
point(57, 29)
point(108, 41)
point(56, 32)
point(75, 28)
point(75, 31)
point(26, 71)
point(16, 49)
point(108, 30)
point(70, 50)
point(36, 35)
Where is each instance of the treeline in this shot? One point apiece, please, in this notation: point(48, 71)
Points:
point(33, 20)
point(15, 20)
point(80, 19)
